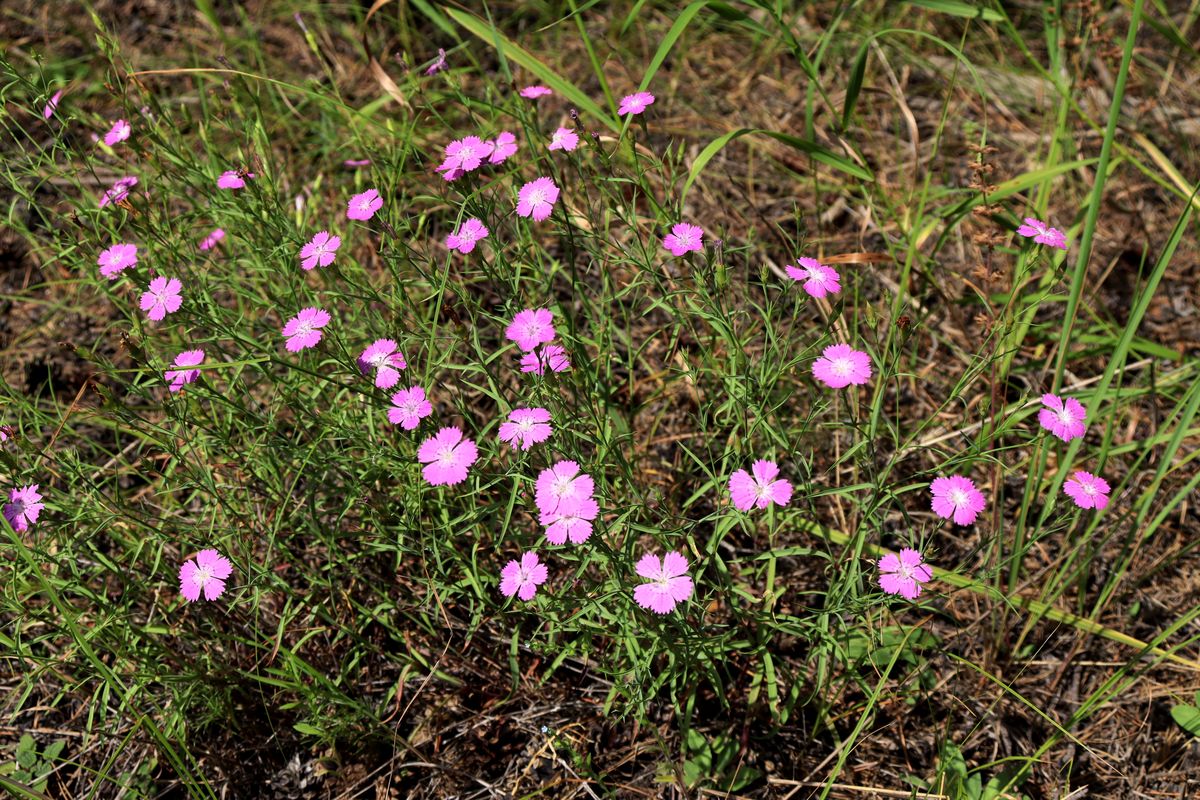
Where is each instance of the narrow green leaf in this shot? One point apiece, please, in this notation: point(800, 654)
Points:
point(524, 58)
point(668, 42)
point(960, 9)
point(812, 148)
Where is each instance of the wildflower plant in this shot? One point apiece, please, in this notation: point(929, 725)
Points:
point(525, 406)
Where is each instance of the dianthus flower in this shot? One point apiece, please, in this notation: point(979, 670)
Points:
point(903, 574)
point(1087, 490)
point(464, 155)
point(383, 356)
point(763, 489)
point(531, 327)
point(840, 365)
point(684, 238)
point(562, 487)
point(536, 199)
point(304, 330)
point(552, 357)
point(564, 139)
point(162, 298)
point(409, 407)
point(503, 146)
point(522, 577)
point(526, 427)
point(364, 205)
point(212, 240)
point(119, 190)
point(233, 179)
point(1042, 233)
point(119, 132)
point(571, 521)
point(51, 105)
point(205, 573)
point(182, 377)
point(669, 582)
point(534, 92)
point(320, 250)
point(635, 103)
point(467, 236)
point(957, 497)
point(819, 280)
point(23, 507)
point(1063, 418)
point(116, 259)
point(447, 456)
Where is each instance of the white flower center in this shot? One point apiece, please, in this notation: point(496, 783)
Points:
point(1090, 489)
point(525, 425)
point(303, 328)
point(905, 572)
point(842, 366)
point(958, 497)
point(466, 152)
point(1065, 417)
point(446, 455)
point(537, 197)
point(203, 575)
point(815, 274)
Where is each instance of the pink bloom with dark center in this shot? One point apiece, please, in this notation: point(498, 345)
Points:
point(23, 507)
point(364, 205)
point(119, 190)
point(684, 238)
point(762, 489)
point(571, 521)
point(841, 365)
point(464, 155)
point(447, 456)
point(531, 327)
point(819, 280)
point(562, 487)
point(536, 199)
point(903, 574)
point(185, 375)
point(1042, 233)
point(1087, 490)
point(409, 407)
point(635, 103)
point(522, 577)
point(468, 234)
point(116, 259)
point(233, 179)
point(669, 582)
point(503, 146)
point(957, 497)
point(51, 105)
point(162, 298)
point(526, 427)
point(212, 240)
point(1063, 418)
point(119, 132)
point(383, 356)
point(534, 92)
point(206, 574)
point(552, 357)
point(320, 251)
point(304, 330)
point(564, 139)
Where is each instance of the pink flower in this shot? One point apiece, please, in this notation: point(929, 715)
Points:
point(522, 578)
point(119, 190)
point(1063, 418)
point(304, 330)
point(320, 250)
point(1087, 490)
point(841, 365)
point(438, 64)
point(233, 179)
point(669, 582)
point(503, 146)
point(23, 508)
point(635, 103)
point(551, 356)
point(957, 497)
point(355, 163)
point(119, 132)
point(571, 521)
point(526, 427)
point(463, 240)
point(212, 239)
point(903, 574)
point(564, 139)
point(409, 407)
point(536, 199)
point(162, 298)
point(531, 327)
point(51, 105)
point(364, 206)
point(205, 573)
point(1042, 233)
point(116, 259)
point(534, 92)
point(182, 377)
point(684, 238)
point(562, 487)
point(819, 280)
point(382, 356)
point(761, 490)
point(447, 456)
point(464, 155)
